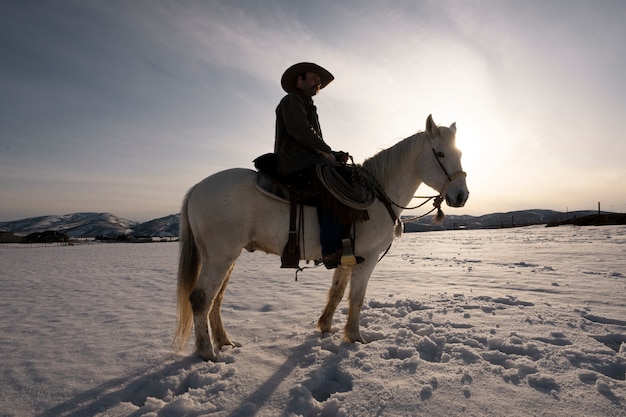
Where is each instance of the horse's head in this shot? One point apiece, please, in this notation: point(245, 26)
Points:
point(443, 170)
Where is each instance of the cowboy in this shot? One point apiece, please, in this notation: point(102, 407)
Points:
point(299, 146)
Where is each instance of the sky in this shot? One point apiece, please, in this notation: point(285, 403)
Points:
point(121, 107)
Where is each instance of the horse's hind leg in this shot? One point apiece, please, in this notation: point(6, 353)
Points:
point(220, 337)
point(335, 294)
point(210, 282)
point(200, 307)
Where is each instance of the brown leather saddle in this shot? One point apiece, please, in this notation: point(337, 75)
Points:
point(335, 187)
point(296, 191)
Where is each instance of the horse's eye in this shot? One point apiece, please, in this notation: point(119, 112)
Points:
point(441, 155)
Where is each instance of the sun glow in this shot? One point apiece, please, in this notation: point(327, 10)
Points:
point(472, 140)
point(483, 158)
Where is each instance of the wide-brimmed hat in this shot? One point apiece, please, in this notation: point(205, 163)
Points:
point(290, 77)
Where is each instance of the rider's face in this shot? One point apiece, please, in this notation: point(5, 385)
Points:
point(311, 84)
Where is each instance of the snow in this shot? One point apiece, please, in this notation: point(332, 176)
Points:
point(517, 322)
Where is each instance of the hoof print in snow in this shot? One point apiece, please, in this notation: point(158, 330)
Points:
point(326, 381)
point(543, 383)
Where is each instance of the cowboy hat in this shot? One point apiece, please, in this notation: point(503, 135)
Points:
point(289, 78)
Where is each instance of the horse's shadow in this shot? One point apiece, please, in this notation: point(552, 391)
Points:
point(136, 387)
point(257, 399)
point(108, 395)
point(329, 378)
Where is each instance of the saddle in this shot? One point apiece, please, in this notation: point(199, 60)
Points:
point(283, 188)
point(347, 197)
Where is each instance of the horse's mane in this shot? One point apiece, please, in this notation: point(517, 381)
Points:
point(386, 163)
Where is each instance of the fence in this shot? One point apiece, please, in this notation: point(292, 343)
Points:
point(34, 245)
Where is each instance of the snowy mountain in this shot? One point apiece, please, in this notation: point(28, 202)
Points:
point(94, 224)
point(74, 225)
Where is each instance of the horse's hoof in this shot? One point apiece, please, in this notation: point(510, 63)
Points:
point(231, 344)
point(327, 335)
point(207, 356)
point(325, 329)
point(354, 338)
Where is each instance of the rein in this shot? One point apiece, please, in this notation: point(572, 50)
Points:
point(438, 199)
point(389, 203)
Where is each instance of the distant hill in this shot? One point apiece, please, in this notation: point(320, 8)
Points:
point(164, 227)
point(494, 220)
point(594, 220)
point(90, 225)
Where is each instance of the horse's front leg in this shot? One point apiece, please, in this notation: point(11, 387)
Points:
point(358, 285)
point(335, 294)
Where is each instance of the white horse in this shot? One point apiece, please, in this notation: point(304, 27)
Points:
point(225, 213)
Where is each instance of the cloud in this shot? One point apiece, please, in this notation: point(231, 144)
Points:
point(149, 91)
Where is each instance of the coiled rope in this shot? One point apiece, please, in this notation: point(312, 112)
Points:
point(359, 195)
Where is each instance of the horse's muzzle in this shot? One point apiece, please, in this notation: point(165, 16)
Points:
point(457, 200)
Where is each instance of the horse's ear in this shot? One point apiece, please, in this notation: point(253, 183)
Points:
point(453, 128)
point(431, 128)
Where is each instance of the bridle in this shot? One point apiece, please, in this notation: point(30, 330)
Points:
point(449, 177)
point(438, 199)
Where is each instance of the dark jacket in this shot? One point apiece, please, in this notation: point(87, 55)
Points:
point(298, 134)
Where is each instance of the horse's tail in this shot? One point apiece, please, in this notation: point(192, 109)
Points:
point(188, 270)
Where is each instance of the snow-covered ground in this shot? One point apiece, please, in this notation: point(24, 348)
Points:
point(515, 322)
